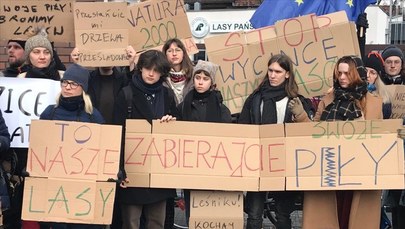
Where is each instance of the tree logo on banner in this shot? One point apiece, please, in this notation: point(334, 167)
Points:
point(200, 27)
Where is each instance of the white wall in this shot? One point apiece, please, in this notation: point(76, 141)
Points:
point(377, 20)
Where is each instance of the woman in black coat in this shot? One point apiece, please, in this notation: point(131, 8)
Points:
point(203, 104)
point(276, 100)
point(149, 100)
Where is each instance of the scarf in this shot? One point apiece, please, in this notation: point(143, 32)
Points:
point(213, 106)
point(72, 103)
point(344, 105)
point(270, 95)
point(176, 77)
point(49, 72)
point(153, 94)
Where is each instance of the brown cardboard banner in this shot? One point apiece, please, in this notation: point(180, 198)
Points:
point(397, 94)
point(313, 43)
point(154, 22)
point(299, 156)
point(18, 18)
point(74, 150)
point(67, 200)
point(216, 209)
point(101, 33)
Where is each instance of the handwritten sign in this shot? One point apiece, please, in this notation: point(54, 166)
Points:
point(18, 18)
point(344, 155)
point(230, 158)
point(74, 150)
point(397, 95)
point(359, 154)
point(313, 43)
point(101, 33)
point(216, 209)
point(22, 100)
point(154, 22)
point(60, 200)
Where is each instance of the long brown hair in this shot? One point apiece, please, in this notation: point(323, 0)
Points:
point(186, 64)
point(285, 62)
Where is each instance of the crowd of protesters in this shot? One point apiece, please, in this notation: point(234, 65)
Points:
point(166, 85)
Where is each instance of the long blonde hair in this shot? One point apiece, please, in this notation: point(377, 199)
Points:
point(88, 105)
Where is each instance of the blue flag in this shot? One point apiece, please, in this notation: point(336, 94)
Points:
point(271, 11)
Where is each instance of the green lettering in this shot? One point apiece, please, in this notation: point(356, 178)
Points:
point(105, 199)
point(57, 200)
point(88, 202)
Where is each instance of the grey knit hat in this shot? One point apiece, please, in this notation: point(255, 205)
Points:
point(38, 40)
point(77, 74)
point(208, 67)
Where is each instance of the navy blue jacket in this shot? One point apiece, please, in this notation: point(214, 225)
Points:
point(60, 113)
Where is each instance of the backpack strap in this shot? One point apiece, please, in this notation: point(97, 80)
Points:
point(128, 97)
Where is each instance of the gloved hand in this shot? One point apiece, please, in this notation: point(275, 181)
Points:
point(362, 22)
point(295, 105)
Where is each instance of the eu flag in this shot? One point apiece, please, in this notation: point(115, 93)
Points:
point(271, 11)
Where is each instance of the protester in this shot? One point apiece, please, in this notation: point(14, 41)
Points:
point(348, 100)
point(179, 81)
point(38, 54)
point(144, 98)
point(180, 75)
point(374, 65)
point(203, 104)
point(394, 69)
point(276, 100)
point(16, 58)
point(74, 104)
point(4, 183)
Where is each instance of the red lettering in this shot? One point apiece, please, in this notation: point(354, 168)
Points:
point(91, 163)
point(236, 45)
point(259, 163)
point(128, 157)
point(186, 152)
point(106, 162)
point(224, 156)
point(151, 152)
point(41, 164)
point(62, 161)
point(201, 152)
point(171, 150)
point(80, 161)
point(271, 159)
point(293, 32)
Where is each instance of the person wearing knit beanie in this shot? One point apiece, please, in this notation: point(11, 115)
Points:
point(16, 57)
point(77, 74)
point(393, 61)
point(209, 69)
point(374, 64)
point(39, 40)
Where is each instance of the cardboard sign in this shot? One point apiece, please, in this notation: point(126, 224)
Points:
point(154, 22)
point(397, 95)
point(74, 150)
point(22, 100)
point(344, 155)
point(309, 156)
point(66, 200)
point(101, 33)
point(216, 209)
point(18, 18)
point(313, 43)
point(191, 155)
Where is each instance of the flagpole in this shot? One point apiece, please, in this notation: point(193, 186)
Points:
point(390, 22)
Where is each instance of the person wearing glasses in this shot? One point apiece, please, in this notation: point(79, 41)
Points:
point(348, 100)
point(394, 69)
point(180, 74)
point(73, 104)
point(374, 64)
